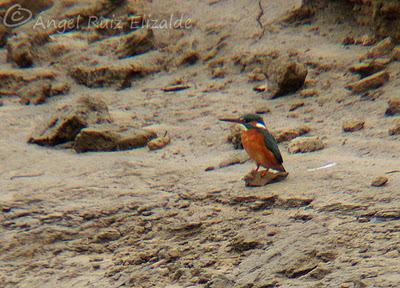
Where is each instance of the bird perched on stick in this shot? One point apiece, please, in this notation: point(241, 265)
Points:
point(259, 144)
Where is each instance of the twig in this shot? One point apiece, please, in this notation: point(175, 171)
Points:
point(392, 172)
point(26, 176)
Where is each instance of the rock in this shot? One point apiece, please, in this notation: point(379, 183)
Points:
point(306, 93)
point(159, 142)
point(394, 107)
point(235, 137)
point(37, 92)
point(353, 125)
point(290, 134)
point(370, 67)
point(296, 106)
point(382, 48)
point(109, 137)
point(255, 179)
point(69, 121)
point(395, 130)
point(379, 181)
point(287, 76)
point(372, 82)
point(305, 145)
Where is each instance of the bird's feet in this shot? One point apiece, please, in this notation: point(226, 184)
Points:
point(264, 173)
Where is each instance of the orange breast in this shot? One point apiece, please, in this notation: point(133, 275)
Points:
point(253, 143)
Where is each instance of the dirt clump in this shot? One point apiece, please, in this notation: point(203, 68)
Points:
point(291, 133)
point(305, 145)
point(379, 181)
point(372, 82)
point(37, 92)
point(111, 138)
point(353, 125)
point(369, 67)
point(69, 121)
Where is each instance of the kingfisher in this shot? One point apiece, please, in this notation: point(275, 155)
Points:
point(259, 144)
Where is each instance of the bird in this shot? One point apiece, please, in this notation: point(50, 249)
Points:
point(258, 142)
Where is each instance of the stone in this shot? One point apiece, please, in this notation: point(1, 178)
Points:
point(370, 67)
point(69, 121)
point(290, 134)
point(108, 137)
point(159, 143)
point(296, 106)
point(305, 145)
point(37, 92)
point(287, 76)
point(379, 181)
point(393, 107)
point(371, 82)
point(306, 93)
point(382, 48)
point(353, 125)
point(256, 179)
point(395, 130)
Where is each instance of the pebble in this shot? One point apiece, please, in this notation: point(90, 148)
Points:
point(353, 125)
point(379, 181)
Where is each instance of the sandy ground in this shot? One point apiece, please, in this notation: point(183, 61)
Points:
point(153, 219)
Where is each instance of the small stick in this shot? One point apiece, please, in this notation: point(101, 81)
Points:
point(26, 176)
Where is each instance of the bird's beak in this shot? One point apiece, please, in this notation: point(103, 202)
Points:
point(234, 120)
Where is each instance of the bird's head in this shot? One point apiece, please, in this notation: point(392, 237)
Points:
point(248, 121)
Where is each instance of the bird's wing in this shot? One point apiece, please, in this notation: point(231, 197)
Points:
point(271, 144)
